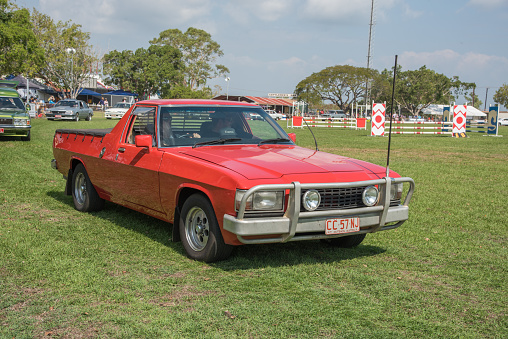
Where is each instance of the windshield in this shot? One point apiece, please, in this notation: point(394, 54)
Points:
point(11, 103)
point(122, 105)
point(201, 126)
point(66, 103)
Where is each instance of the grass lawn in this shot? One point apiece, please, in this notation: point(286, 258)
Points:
point(116, 273)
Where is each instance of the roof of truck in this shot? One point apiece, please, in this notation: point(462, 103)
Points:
point(205, 102)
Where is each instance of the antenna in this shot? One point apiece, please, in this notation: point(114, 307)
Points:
point(391, 115)
point(367, 89)
point(310, 129)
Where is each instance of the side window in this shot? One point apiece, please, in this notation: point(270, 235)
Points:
point(142, 123)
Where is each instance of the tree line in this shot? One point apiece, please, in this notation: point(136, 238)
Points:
point(415, 90)
point(178, 65)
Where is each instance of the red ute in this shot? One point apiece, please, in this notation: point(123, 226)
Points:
point(224, 179)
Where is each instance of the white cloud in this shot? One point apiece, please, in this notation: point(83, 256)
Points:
point(114, 16)
point(264, 10)
point(470, 66)
point(488, 4)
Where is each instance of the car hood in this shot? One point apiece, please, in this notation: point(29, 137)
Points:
point(63, 108)
point(12, 113)
point(117, 110)
point(270, 162)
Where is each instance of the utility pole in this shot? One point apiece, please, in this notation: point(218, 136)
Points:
point(486, 93)
point(367, 85)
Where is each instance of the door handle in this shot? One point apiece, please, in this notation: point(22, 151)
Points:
point(121, 150)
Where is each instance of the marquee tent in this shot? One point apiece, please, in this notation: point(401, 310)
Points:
point(118, 95)
point(471, 113)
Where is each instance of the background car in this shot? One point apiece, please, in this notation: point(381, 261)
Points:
point(503, 122)
point(274, 115)
point(118, 110)
point(14, 118)
point(70, 109)
point(334, 114)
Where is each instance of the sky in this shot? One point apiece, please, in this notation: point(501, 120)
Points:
point(271, 45)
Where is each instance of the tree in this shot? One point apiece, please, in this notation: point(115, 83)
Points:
point(19, 50)
point(342, 85)
point(501, 95)
point(70, 60)
point(146, 71)
point(473, 98)
point(199, 55)
point(416, 90)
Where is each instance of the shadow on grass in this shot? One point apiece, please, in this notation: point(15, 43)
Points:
point(243, 257)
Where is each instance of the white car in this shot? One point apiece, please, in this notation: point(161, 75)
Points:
point(503, 122)
point(118, 110)
point(274, 115)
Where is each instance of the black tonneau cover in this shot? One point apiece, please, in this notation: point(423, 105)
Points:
point(92, 132)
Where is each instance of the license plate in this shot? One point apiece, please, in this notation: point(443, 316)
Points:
point(58, 116)
point(342, 225)
point(1, 130)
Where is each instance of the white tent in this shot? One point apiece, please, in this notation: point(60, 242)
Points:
point(438, 110)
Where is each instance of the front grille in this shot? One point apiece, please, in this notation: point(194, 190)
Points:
point(339, 198)
point(5, 121)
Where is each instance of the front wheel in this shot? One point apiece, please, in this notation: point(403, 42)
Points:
point(86, 198)
point(27, 138)
point(347, 241)
point(77, 117)
point(200, 231)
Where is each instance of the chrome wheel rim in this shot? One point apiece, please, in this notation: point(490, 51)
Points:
point(80, 192)
point(197, 229)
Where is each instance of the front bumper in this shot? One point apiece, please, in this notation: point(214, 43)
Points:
point(61, 116)
point(14, 130)
point(296, 225)
point(114, 115)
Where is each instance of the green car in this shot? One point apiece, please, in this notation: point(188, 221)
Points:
point(14, 117)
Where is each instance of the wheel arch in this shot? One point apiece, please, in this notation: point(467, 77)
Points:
point(183, 195)
point(68, 185)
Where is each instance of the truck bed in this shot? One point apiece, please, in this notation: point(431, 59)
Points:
point(91, 132)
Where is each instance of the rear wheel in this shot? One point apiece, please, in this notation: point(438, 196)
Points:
point(347, 242)
point(89, 117)
point(200, 231)
point(86, 198)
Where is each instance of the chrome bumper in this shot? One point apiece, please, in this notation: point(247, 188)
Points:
point(296, 225)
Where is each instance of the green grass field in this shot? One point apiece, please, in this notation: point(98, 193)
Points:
point(116, 274)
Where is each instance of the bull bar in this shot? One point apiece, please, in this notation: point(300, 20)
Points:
point(296, 225)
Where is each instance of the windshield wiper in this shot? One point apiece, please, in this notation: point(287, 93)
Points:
point(275, 140)
point(215, 142)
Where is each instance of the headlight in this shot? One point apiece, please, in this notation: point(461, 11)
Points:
point(311, 200)
point(261, 200)
point(396, 191)
point(21, 122)
point(370, 196)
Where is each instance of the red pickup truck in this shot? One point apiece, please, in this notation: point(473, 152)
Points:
point(224, 179)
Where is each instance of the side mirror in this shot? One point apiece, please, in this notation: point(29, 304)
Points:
point(292, 136)
point(144, 141)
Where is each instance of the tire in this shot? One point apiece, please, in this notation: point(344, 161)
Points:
point(86, 198)
point(27, 138)
point(89, 117)
point(348, 241)
point(199, 231)
point(77, 117)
